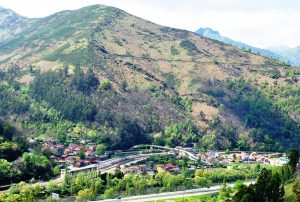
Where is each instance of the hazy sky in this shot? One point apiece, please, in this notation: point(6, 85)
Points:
point(261, 23)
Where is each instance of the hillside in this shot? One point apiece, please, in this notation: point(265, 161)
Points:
point(157, 84)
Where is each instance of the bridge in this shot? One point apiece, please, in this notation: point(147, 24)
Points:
point(110, 164)
point(182, 152)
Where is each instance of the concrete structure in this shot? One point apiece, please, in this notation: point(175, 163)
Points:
point(63, 173)
point(181, 151)
point(109, 164)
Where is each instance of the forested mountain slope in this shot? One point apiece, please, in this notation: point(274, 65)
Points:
point(101, 74)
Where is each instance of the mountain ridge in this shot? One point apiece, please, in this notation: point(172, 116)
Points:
point(292, 54)
point(210, 33)
point(10, 23)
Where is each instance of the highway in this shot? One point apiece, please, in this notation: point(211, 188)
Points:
point(115, 162)
point(191, 155)
point(109, 164)
point(169, 195)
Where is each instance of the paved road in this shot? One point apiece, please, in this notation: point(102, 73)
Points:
point(109, 164)
point(128, 161)
point(168, 195)
point(191, 155)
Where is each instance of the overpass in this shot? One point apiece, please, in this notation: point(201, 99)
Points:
point(110, 164)
point(183, 152)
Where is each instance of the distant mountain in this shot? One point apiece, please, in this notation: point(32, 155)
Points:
point(10, 23)
point(212, 34)
point(291, 54)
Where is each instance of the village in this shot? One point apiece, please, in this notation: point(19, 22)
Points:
point(79, 156)
point(74, 154)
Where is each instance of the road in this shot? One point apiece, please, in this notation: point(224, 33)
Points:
point(168, 195)
point(111, 164)
point(191, 155)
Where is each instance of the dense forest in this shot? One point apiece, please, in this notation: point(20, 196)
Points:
point(269, 123)
point(15, 163)
point(59, 101)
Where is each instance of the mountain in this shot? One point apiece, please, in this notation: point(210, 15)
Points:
point(10, 23)
point(212, 34)
point(292, 54)
point(157, 84)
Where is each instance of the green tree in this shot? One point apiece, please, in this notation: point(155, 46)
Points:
point(227, 151)
point(36, 166)
point(109, 193)
point(267, 188)
point(85, 195)
point(52, 186)
point(130, 133)
point(81, 155)
point(262, 184)
point(91, 79)
point(238, 184)
point(275, 191)
point(293, 156)
point(100, 149)
point(105, 84)
point(158, 139)
point(23, 192)
point(99, 186)
point(56, 170)
point(84, 82)
point(296, 190)
point(201, 181)
point(62, 137)
point(245, 194)
point(224, 192)
point(6, 172)
point(78, 80)
point(9, 150)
